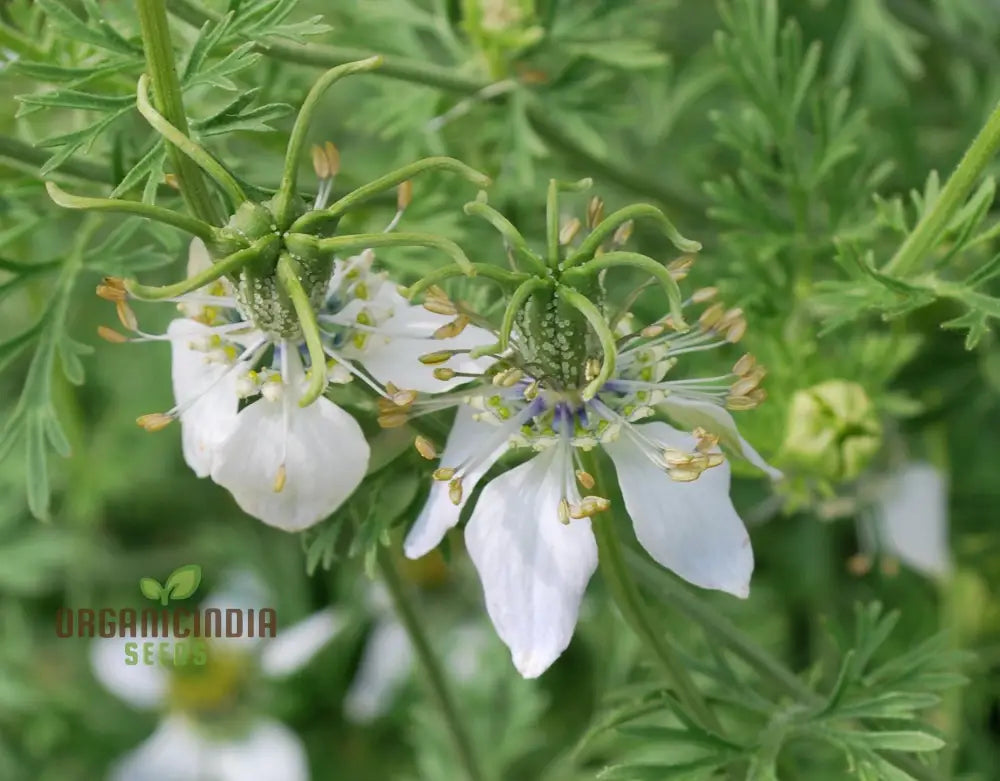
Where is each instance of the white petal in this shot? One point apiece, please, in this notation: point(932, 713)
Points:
point(269, 751)
point(291, 649)
point(439, 514)
point(716, 420)
point(914, 511)
point(140, 685)
point(690, 528)
point(180, 751)
point(326, 456)
point(385, 665)
point(534, 569)
point(176, 751)
point(206, 423)
point(394, 358)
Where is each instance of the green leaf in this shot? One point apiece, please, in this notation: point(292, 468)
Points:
point(903, 740)
point(183, 582)
point(150, 588)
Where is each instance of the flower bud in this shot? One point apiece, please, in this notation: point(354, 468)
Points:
point(833, 430)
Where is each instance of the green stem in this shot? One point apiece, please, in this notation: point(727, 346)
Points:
point(595, 317)
point(607, 227)
point(432, 667)
point(227, 265)
point(303, 243)
point(389, 180)
point(656, 270)
point(552, 224)
point(769, 668)
point(289, 277)
point(286, 191)
point(511, 234)
point(517, 299)
point(922, 239)
point(633, 608)
point(194, 226)
point(168, 100)
point(487, 270)
point(194, 151)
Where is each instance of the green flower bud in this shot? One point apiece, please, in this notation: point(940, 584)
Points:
point(833, 430)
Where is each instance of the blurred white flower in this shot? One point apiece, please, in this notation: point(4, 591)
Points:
point(912, 512)
point(183, 749)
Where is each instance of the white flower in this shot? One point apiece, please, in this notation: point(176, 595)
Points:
point(387, 659)
point(237, 389)
point(183, 749)
point(912, 512)
point(530, 534)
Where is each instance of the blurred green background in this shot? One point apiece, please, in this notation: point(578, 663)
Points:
point(631, 94)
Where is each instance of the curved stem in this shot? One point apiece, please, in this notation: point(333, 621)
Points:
point(226, 265)
point(655, 269)
point(511, 234)
point(187, 145)
point(288, 277)
point(606, 228)
point(589, 310)
point(432, 667)
point(552, 224)
point(304, 243)
point(980, 153)
point(517, 298)
point(633, 608)
point(168, 100)
point(389, 181)
point(194, 226)
point(487, 270)
point(286, 191)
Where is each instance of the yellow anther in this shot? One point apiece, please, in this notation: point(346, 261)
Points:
point(404, 195)
point(321, 165)
point(704, 295)
point(443, 473)
point(563, 511)
point(443, 373)
point(126, 315)
point(455, 491)
point(404, 398)
point(744, 365)
point(110, 335)
point(425, 447)
point(430, 359)
point(652, 331)
point(684, 475)
point(711, 316)
point(154, 421)
point(595, 212)
point(279, 479)
point(586, 479)
point(452, 329)
point(396, 420)
point(623, 233)
point(569, 231)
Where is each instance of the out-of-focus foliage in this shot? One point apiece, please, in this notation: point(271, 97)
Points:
point(802, 143)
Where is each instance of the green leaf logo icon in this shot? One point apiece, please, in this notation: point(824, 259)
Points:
point(181, 584)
